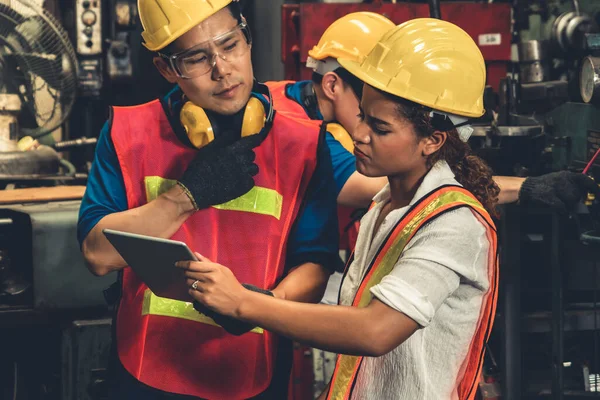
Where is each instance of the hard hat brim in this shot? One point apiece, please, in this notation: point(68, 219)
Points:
point(161, 38)
point(358, 71)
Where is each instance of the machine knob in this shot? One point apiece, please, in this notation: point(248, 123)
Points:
point(119, 50)
point(88, 31)
point(88, 17)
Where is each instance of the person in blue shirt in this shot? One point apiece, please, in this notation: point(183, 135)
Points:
point(315, 230)
point(333, 95)
point(222, 89)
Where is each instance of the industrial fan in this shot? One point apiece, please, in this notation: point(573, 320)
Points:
point(38, 84)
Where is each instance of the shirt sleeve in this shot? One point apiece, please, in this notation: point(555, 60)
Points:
point(449, 251)
point(343, 162)
point(105, 192)
point(314, 237)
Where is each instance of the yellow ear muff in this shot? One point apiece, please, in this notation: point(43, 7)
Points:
point(254, 117)
point(341, 135)
point(196, 124)
point(200, 131)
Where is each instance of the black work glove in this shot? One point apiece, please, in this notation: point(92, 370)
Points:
point(230, 324)
point(560, 190)
point(216, 176)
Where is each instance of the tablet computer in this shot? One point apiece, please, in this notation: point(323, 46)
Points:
point(153, 261)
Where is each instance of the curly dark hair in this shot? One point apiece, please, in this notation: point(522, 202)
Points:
point(470, 171)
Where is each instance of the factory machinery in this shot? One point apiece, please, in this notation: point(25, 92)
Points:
point(55, 62)
point(61, 66)
point(542, 115)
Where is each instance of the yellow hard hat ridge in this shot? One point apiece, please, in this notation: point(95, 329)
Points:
point(428, 61)
point(352, 36)
point(166, 20)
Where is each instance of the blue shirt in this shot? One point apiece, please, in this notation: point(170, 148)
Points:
point(344, 162)
point(314, 237)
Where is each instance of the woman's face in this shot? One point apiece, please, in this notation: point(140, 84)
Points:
point(385, 142)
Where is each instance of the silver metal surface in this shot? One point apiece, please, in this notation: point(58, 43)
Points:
point(10, 105)
point(61, 279)
point(39, 162)
point(565, 27)
point(589, 79)
point(533, 50)
point(534, 61)
point(534, 72)
point(507, 131)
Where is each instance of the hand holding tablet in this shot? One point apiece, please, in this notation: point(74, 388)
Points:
point(153, 260)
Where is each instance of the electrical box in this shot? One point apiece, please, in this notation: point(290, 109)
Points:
point(88, 23)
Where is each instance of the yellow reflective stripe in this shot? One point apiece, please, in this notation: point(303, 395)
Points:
point(342, 377)
point(346, 365)
point(258, 200)
point(393, 254)
point(155, 186)
point(154, 305)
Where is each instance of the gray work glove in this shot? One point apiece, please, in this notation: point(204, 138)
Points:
point(560, 190)
point(216, 176)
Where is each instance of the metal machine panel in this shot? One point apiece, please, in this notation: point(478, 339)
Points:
point(488, 24)
point(581, 123)
point(85, 359)
point(60, 278)
point(89, 27)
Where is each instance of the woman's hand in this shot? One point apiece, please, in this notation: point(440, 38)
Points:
point(213, 285)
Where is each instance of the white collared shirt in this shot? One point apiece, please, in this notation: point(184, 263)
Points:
point(439, 282)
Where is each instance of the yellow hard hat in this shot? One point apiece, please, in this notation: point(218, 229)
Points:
point(166, 20)
point(352, 36)
point(427, 61)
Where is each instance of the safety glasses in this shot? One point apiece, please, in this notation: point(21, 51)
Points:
point(201, 59)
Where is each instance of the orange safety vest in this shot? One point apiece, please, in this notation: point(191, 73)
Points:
point(167, 344)
point(289, 106)
point(437, 202)
point(281, 102)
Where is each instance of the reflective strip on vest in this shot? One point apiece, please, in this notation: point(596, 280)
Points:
point(154, 305)
point(434, 204)
point(258, 200)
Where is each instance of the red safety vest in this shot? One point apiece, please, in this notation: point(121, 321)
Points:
point(284, 104)
point(441, 200)
point(166, 344)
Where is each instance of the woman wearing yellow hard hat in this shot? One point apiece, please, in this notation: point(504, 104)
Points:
point(418, 299)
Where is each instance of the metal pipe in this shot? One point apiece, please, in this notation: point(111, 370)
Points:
point(558, 317)
point(511, 294)
point(70, 168)
point(435, 9)
point(70, 144)
point(576, 6)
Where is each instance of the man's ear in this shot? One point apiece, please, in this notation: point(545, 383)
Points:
point(434, 142)
point(330, 85)
point(164, 69)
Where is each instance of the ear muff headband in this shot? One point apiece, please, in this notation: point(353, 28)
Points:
point(309, 100)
